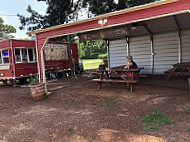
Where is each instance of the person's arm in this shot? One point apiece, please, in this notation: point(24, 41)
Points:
point(127, 66)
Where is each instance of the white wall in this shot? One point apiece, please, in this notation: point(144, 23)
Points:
point(140, 49)
point(166, 51)
point(118, 52)
point(186, 46)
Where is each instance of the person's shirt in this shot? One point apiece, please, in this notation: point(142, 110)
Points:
point(133, 66)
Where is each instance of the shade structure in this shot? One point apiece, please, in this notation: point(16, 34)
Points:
point(149, 19)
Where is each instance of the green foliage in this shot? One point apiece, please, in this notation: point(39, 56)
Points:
point(111, 103)
point(187, 112)
point(6, 30)
point(92, 49)
point(98, 7)
point(188, 129)
point(8, 82)
point(106, 6)
point(103, 56)
point(58, 12)
point(154, 120)
point(33, 80)
point(24, 38)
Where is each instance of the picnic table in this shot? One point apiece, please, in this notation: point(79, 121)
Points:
point(179, 69)
point(109, 77)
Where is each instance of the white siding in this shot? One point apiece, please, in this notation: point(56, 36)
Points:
point(140, 49)
point(186, 46)
point(166, 51)
point(118, 52)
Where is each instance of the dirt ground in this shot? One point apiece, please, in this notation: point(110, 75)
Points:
point(77, 112)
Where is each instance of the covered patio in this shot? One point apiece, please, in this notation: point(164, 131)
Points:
point(156, 35)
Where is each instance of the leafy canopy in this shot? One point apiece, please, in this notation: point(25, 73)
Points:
point(98, 7)
point(6, 30)
point(58, 12)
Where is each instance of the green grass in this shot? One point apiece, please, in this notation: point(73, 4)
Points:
point(111, 103)
point(187, 112)
point(154, 120)
point(88, 63)
point(188, 129)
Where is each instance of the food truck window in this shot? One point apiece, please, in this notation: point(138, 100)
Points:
point(35, 54)
point(24, 55)
point(5, 56)
point(30, 54)
point(17, 55)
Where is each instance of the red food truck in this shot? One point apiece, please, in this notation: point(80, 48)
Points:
point(18, 58)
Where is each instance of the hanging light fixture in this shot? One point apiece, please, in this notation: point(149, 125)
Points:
point(102, 22)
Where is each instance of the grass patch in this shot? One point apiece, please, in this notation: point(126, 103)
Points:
point(187, 112)
point(188, 129)
point(154, 120)
point(91, 63)
point(111, 103)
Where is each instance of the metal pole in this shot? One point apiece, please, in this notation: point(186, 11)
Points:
point(37, 58)
point(152, 53)
point(108, 50)
point(179, 35)
point(43, 68)
point(70, 54)
point(152, 46)
point(127, 40)
point(179, 49)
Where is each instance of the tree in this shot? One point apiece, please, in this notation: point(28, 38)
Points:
point(58, 12)
point(6, 30)
point(92, 49)
point(98, 7)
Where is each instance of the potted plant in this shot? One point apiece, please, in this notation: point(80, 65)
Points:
point(37, 89)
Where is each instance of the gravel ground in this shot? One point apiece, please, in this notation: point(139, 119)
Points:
point(77, 112)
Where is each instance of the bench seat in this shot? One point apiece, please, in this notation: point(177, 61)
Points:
point(129, 82)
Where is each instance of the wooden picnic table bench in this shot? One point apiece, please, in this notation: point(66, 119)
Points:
point(129, 82)
point(179, 69)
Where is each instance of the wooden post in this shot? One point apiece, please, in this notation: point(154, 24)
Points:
point(70, 55)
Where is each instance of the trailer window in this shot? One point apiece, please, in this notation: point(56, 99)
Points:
point(25, 55)
point(30, 54)
point(17, 55)
point(5, 56)
point(35, 54)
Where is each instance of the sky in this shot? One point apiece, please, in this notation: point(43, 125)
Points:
point(14, 7)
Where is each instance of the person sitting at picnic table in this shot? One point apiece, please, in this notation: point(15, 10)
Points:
point(131, 65)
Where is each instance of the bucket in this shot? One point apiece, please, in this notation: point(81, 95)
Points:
point(38, 91)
